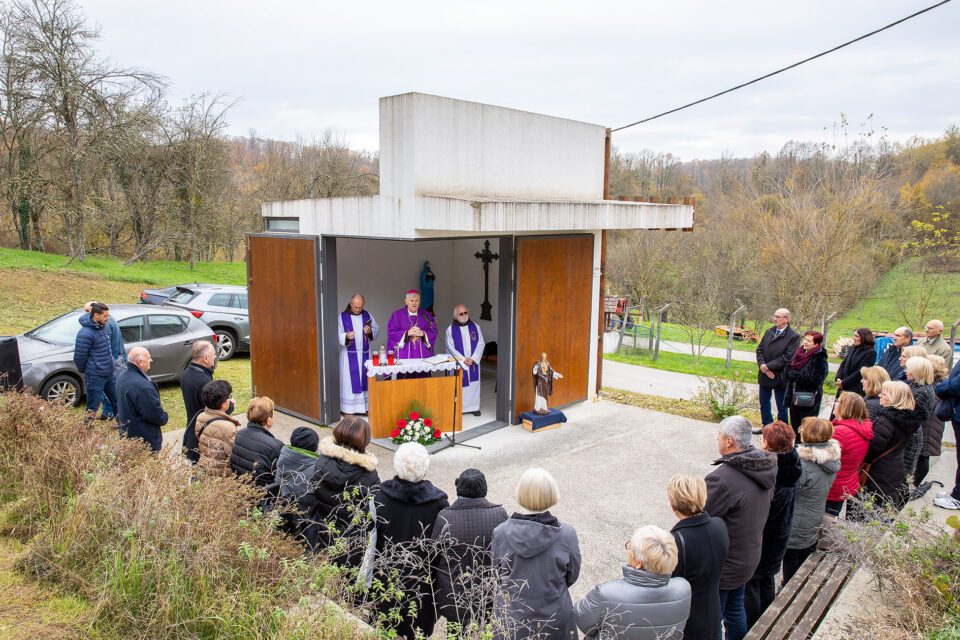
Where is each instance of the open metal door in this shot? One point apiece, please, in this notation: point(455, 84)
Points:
point(554, 285)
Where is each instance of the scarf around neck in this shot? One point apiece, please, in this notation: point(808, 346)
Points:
point(801, 357)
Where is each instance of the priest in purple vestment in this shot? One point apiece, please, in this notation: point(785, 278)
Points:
point(411, 331)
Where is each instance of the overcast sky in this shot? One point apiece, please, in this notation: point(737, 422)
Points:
point(298, 68)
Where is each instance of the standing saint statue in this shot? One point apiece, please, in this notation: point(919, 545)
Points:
point(357, 330)
point(543, 377)
point(427, 279)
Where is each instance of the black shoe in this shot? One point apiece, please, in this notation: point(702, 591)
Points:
point(476, 413)
point(757, 432)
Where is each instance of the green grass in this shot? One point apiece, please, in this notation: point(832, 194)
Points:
point(879, 310)
point(236, 371)
point(707, 367)
point(686, 408)
point(675, 333)
point(157, 272)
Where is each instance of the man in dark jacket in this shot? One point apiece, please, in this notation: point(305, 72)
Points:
point(890, 360)
point(197, 374)
point(255, 449)
point(465, 530)
point(118, 352)
point(140, 413)
point(93, 357)
point(773, 355)
point(739, 492)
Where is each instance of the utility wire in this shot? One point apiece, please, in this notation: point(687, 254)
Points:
point(795, 64)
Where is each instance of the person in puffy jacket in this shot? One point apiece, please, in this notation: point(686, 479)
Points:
point(539, 560)
point(255, 449)
point(892, 430)
point(295, 465)
point(920, 378)
point(853, 430)
point(216, 429)
point(863, 354)
point(820, 461)
point(647, 603)
point(778, 438)
point(93, 357)
point(117, 350)
point(932, 428)
point(344, 478)
point(873, 379)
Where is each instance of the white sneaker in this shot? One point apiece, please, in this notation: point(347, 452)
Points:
point(948, 503)
point(944, 494)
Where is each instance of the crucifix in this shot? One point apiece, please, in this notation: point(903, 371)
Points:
point(486, 257)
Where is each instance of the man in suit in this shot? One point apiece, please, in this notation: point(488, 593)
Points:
point(773, 355)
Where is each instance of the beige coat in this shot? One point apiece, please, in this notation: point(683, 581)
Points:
point(936, 347)
point(216, 432)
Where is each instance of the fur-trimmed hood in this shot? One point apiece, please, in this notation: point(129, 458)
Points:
point(825, 454)
point(333, 450)
point(411, 492)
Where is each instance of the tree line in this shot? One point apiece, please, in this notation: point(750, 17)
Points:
point(96, 159)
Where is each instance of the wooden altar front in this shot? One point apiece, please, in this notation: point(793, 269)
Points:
point(389, 400)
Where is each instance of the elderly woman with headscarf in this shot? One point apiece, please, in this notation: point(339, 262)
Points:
point(407, 507)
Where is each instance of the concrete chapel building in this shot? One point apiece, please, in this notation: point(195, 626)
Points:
point(454, 176)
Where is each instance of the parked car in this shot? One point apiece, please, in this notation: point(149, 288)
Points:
point(223, 309)
point(159, 296)
point(46, 353)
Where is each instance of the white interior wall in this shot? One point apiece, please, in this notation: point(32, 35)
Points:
point(383, 270)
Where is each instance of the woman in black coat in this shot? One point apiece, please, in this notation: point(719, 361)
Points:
point(777, 438)
point(806, 372)
point(342, 466)
point(702, 544)
point(407, 507)
point(863, 354)
point(892, 429)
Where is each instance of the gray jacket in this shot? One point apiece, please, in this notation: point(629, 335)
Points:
point(539, 559)
point(294, 470)
point(820, 463)
point(642, 606)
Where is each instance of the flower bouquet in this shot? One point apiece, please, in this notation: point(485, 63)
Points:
point(415, 428)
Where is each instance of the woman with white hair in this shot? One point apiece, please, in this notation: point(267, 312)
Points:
point(647, 604)
point(539, 558)
point(407, 506)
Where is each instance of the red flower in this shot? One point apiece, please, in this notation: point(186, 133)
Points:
point(401, 423)
point(395, 433)
point(428, 422)
point(414, 416)
point(436, 434)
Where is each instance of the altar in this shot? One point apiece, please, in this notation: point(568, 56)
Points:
point(390, 397)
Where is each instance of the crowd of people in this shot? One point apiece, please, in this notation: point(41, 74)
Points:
point(758, 516)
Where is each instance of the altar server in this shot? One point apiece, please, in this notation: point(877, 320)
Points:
point(356, 331)
point(465, 340)
point(411, 331)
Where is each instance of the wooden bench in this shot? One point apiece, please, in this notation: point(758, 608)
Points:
point(804, 601)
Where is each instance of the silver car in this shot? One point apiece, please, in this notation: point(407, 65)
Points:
point(223, 309)
point(46, 353)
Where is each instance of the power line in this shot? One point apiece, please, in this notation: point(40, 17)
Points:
point(795, 64)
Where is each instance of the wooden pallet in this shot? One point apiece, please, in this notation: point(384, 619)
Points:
point(804, 601)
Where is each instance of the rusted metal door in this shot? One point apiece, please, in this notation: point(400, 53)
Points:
point(553, 294)
point(284, 296)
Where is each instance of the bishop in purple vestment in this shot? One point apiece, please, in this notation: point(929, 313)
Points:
point(411, 331)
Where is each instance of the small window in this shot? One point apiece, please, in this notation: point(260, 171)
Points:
point(239, 301)
point(182, 296)
point(131, 329)
point(284, 225)
point(220, 300)
point(162, 326)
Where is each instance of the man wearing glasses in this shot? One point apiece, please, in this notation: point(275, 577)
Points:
point(774, 353)
point(890, 360)
point(465, 341)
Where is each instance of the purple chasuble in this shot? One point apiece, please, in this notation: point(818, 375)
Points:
point(358, 382)
point(401, 322)
point(473, 373)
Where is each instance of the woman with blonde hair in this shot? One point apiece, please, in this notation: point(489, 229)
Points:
point(892, 430)
point(539, 559)
point(932, 429)
point(919, 373)
point(853, 430)
point(819, 461)
point(872, 378)
point(702, 544)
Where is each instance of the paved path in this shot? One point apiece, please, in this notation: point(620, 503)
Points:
point(610, 346)
point(631, 377)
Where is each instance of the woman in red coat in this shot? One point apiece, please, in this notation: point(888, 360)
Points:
point(853, 430)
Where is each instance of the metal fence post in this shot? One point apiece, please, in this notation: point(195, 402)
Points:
point(656, 345)
point(730, 328)
point(825, 326)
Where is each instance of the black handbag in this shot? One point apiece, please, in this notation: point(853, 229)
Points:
point(802, 399)
point(945, 410)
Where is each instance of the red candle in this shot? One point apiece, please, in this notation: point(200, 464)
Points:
point(376, 358)
point(390, 359)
